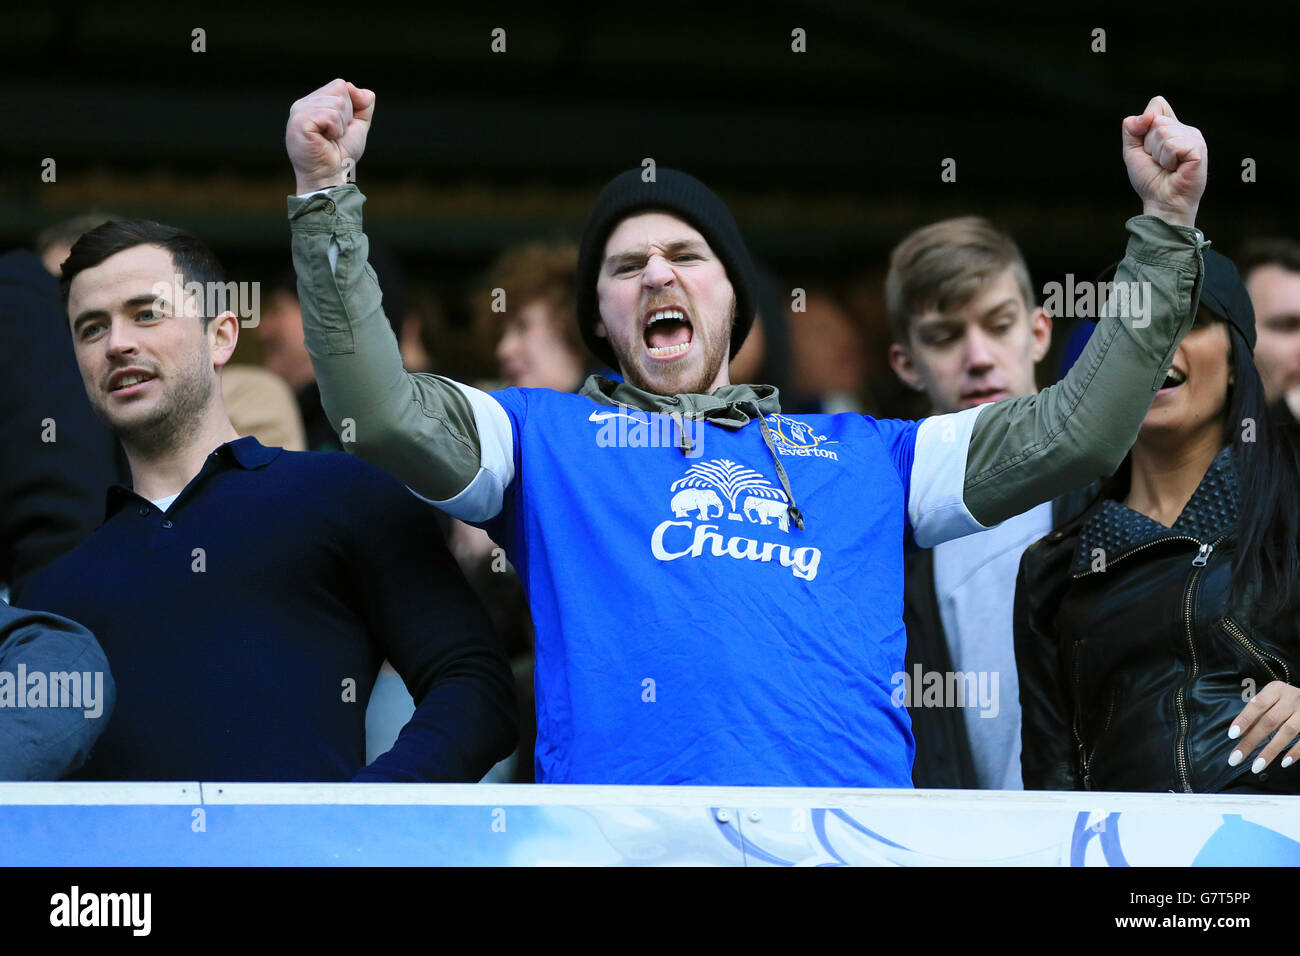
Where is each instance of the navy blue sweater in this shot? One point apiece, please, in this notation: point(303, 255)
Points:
point(246, 625)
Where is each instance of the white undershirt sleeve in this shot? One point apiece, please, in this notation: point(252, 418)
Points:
point(936, 505)
point(483, 497)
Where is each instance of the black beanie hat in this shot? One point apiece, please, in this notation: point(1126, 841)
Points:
point(683, 196)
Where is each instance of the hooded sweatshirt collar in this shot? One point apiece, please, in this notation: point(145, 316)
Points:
point(731, 406)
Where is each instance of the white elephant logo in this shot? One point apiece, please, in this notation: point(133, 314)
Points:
point(696, 499)
point(709, 487)
point(761, 509)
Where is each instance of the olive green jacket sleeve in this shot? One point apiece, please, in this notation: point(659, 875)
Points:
point(1029, 450)
point(419, 427)
point(452, 443)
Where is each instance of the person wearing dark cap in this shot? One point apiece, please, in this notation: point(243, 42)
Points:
point(1143, 626)
point(716, 587)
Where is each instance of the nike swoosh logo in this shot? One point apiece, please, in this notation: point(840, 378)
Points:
point(602, 416)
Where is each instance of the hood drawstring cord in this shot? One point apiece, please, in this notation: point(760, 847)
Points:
point(685, 444)
point(795, 514)
point(751, 410)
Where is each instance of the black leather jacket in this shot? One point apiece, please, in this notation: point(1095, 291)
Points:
point(1132, 660)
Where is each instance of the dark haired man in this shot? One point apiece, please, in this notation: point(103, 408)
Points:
point(716, 587)
point(246, 595)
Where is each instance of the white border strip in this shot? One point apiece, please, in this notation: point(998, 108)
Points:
point(91, 793)
point(921, 801)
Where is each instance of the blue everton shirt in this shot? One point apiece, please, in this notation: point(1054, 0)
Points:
point(687, 631)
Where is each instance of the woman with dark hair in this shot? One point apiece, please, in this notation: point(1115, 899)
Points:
point(1156, 635)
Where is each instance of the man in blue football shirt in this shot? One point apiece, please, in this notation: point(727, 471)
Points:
point(716, 587)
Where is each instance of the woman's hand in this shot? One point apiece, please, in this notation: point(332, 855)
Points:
point(1276, 707)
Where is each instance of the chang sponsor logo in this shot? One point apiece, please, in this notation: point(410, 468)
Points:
point(723, 491)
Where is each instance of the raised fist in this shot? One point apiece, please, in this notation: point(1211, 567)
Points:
point(326, 134)
point(1166, 162)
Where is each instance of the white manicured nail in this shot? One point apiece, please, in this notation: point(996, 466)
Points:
point(1259, 764)
point(1286, 762)
point(1236, 758)
point(1234, 732)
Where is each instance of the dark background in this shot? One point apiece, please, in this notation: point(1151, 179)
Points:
point(827, 157)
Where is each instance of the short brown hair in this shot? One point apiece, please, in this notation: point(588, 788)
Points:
point(946, 264)
point(193, 260)
point(535, 271)
point(1273, 251)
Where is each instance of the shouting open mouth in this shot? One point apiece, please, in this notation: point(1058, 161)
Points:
point(668, 333)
